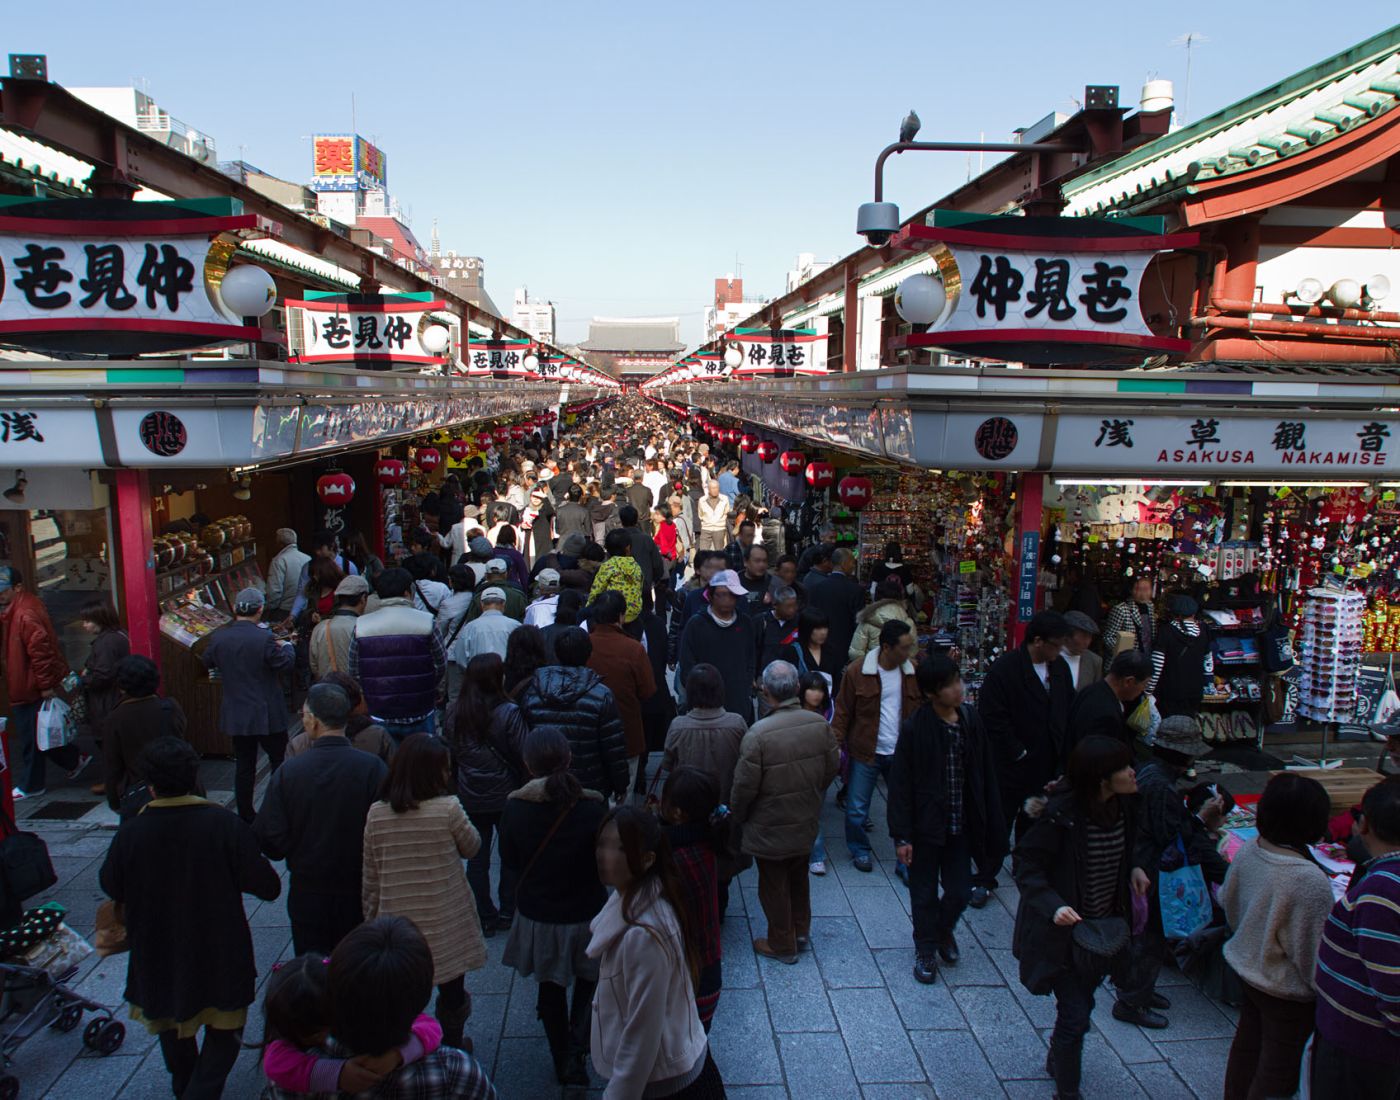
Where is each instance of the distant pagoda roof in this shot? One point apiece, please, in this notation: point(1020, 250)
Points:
point(660, 335)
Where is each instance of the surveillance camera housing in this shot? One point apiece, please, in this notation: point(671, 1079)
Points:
point(877, 222)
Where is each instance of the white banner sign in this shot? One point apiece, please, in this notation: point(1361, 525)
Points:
point(341, 333)
point(785, 355)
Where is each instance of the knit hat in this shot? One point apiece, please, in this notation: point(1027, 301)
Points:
point(479, 544)
point(573, 544)
point(1182, 606)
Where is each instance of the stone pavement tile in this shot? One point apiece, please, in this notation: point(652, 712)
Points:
point(1104, 1072)
point(755, 1092)
point(827, 895)
point(740, 963)
point(841, 952)
point(271, 914)
point(902, 1091)
point(921, 1007)
point(520, 1018)
point(1193, 1016)
point(269, 944)
point(1130, 1042)
point(1160, 1082)
point(955, 1064)
point(742, 1039)
point(150, 1081)
point(883, 920)
point(817, 1067)
point(93, 1075)
point(495, 976)
point(1040, 1010)
point(875, 1037)
point(1010, 1041)
point(1199, 1063)
point(485, 1024)
point(974, 967)
point(48, 1054)
point(992, 925)
point(839, 861)
point(797, 999)
point(523, 1068)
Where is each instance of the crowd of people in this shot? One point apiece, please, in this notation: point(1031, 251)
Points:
point(598, 662)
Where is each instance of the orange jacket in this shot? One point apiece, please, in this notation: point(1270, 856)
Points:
point(34, 663)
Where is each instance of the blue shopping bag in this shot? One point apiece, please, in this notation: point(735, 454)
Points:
point(1183, 897)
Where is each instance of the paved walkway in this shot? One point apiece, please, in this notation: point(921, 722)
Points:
point(847, 1022)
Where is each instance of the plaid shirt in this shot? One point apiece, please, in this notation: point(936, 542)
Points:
point(695, 860)
point(957, 776)
point(446, 1074)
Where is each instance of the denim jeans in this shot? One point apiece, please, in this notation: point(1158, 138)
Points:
point(479, 872)
point(859, 791)
point(950, 864)
point(398, 729)
point(818, 849)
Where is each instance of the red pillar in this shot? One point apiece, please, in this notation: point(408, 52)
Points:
point(1025, 588)
point(136, 561)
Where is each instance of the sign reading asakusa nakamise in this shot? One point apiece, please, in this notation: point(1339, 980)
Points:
point(382, 329)
point(1209, 445)
point(96, 275)
point(1043, 290)
point(779, 353)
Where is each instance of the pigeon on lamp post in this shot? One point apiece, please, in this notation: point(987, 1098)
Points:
point(909, 127)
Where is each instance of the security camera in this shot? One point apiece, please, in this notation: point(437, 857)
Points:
point(877, 222)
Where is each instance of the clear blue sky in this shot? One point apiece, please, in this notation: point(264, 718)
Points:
point(616, 157)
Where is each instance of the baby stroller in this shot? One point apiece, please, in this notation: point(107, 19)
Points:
point(32, 998)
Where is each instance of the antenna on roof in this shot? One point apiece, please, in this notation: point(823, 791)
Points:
point(1190, 40)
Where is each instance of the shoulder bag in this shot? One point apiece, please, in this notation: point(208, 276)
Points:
point(544, 843)
point(25, 866)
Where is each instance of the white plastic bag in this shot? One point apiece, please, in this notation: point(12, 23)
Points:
point(56, 727)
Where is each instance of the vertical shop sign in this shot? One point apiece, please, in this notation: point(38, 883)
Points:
point(1025, 594)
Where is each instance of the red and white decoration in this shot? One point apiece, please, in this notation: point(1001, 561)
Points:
point(427, 459)
point(458, 450)
point(748, 443)
point(391, 472)
point(767, 451)
point(792, 462)
point(484, 440)
point(501, 434)
point(336, 487)
point(820, 475)
point(855, 491)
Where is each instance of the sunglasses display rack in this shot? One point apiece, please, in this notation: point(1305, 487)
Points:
point(1330, 633)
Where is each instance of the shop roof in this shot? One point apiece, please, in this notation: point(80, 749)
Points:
point(622, 334)
point(1353, 89)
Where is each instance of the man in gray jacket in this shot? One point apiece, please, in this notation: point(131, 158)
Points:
point(786, 763)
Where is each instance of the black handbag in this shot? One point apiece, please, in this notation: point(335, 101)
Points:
point(25, 866)
point(1096, 943)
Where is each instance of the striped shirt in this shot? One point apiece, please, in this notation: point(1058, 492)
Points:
point(1103, 867)
point(1358, 966)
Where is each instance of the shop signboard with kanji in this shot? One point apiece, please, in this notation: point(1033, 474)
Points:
point(98, 276)
point(374, 329)
point(347, 162)
point(499, 359)
point(1292, 446)
point(1043, 290)
point(779, 353)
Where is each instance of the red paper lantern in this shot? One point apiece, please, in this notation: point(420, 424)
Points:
point(458, 449)
point(427, 459)
point(855, 492)
point(748, 443)
point(517, 432)
point(390, 472)
point(501, 434)
point(820, 475)
point(767, 451)
point(336, 487)
point(483, 440)
point(792, 462)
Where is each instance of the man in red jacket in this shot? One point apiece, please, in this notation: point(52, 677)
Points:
point(34, 671)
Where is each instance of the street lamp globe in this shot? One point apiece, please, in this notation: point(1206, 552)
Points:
point(248, 291)
point(733, 356)
point(920, 299)
point(435, 339)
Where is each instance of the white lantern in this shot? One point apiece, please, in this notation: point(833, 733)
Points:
point(1345, 293)
point(920, 299)
point(248, 291)
point(435, 339)
point(531, 363)
point(733, 356)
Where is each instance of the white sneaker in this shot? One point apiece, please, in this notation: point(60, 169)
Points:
point(817, 867)
point(19, 795)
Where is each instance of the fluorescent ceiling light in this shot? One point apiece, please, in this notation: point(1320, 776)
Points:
point(1126, 481)
point(1298, 484)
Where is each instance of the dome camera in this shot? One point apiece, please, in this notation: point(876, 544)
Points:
point(877, 222)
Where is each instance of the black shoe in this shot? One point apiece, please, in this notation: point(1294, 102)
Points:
point(1158, 1001)
point(502, 922)
point(980, 896)
point(1143, 1017)
point(804, 943)
point(925, 969)
point(841, 799)
point(862, 863)
point(948, 950)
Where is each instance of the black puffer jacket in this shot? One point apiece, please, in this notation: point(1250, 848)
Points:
point(579, 704)
point(1048, 866)
point(488, 770)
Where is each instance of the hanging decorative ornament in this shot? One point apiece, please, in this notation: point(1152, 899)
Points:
point(792, 462)
point(733, 436)
point(517, 432)
point(501, 434)
point(767, 451)
point(427, 459)
point(335, 487)
point(484, 440)
point(390, 472)
point(748, 443)
point(458, 450)
point(820, 475)
point(855, 491)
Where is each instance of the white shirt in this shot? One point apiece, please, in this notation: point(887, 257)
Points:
point(1071, 659)
point(1043, 671)
point(543, 612)
point(657, 482)
point(891, 701)
point(429, 592)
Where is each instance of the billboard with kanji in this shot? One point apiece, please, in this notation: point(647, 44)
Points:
point(346, 162)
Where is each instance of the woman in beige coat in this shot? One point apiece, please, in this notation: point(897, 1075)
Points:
point(891, 605)
point(415, 840)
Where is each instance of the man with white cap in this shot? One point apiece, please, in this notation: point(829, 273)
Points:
point(282, 574)
point(497, 576)
point(488, 632)
point(252, 710)
point(722, 636)
point(541, 613)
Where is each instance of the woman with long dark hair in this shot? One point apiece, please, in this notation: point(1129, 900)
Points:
point(647, 1038)
point(1074, 867)
point(487, 732)
point(526, 654)
point(416, 837)
point(812, 651)
point(567, 613)
point(697, 826)
point(547, 838)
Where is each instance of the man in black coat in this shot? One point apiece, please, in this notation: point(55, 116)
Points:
point(1103, 707)
point(840, 597)
point(313, 816)
point(722, 635)
point(644, 550)
point(1024, 703)
point(181, 868)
